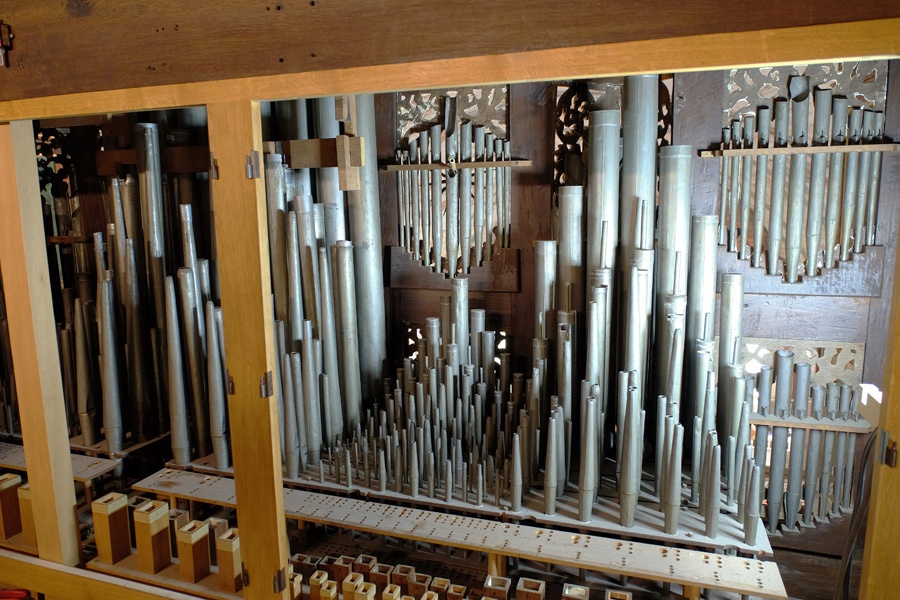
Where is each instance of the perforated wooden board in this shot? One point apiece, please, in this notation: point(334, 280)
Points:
point(831, 361)
point(686, 567)
point(84, 468)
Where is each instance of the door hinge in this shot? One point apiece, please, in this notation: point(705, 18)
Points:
point(887, 450)
point(213, 167)
point(245, 576)
point(266, 387)
point(279, 582)
point(229, 383)
point(253, 165)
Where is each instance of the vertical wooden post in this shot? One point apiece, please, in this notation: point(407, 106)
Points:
point(881, 575)
point(32, 331)
point(243, 263)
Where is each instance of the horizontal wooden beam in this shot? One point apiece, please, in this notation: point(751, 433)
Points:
point(55, 49)
point(59, 581)
point(175, 159)
point(877, 38)
point(321, 153)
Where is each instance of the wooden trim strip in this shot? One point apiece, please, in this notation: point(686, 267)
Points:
point(856, 40)
point(801, 150)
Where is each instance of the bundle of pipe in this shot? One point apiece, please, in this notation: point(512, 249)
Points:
point(447, 216)
point(837, 193)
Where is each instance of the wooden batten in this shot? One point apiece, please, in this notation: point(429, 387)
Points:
point(151, 536)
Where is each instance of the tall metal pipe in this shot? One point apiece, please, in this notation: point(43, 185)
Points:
point(459, 303)
point(734, 191)
point(83, 388)
point(327, 178)
point(365, 231)
point(874, 181)
point(587, 480)
point(851, 183)
point(835, 179)
point(218, 416)
point(545, 288)
point(762, 169)
point(814, 457)
point(602, 189)
point(479, 196)
point(862, 190)
point(465, 195)
point(437, 199)
point(328, 333)
point(200, 420)
point(701, 293)
point(797, 201)
point(451, 155)
point(490, 201)
point(347, 333)
point(309, 260)
point(300, 412)
point(112, 410)
point(639, 131)
point(749, 123)
point(136, 345)
point(150, 180)
point(276, 211)
point(776, 199)
point(815, 214)
point(672, 500)
point(630, 479)
point(730, 325)
point(724, 185)
point(311, 395)
point(570, 292)
point(178, 415)
point(294, 285)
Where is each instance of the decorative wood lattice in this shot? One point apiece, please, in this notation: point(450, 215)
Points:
point(830, 361)
point(485, 105)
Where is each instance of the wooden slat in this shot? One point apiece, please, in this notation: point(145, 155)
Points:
point(670, 51)
point(823, 424)
point(861, 276)
point(42, 411)
point(318, 153)
point(800, 150)
point(175, 159)
point(84, 468)
point(469, 165)
point(243, 261)
point(591, 552)
point(180, 42)
point(59, 581)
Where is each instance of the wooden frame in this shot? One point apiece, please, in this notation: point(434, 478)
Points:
point(234, 127)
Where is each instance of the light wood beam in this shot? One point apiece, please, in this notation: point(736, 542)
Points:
point(243, 263)
point(32, 332)
point(845, 42)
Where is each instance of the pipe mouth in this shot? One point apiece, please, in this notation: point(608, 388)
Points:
point(676, 151)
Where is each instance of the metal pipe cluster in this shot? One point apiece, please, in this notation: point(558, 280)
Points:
point(821, 207)
point(448, 219)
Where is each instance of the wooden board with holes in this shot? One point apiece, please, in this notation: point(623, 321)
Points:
point(595, 553)
point(84, 468)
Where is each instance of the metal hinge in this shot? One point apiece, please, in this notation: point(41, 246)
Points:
point(253, 165)
point(887, 450)
point(213, 167)
point(6, 38)
point(279, 582)
point(229, 383)
point(245, 576)
point(266, 387)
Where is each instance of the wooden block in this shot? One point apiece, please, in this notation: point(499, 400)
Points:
point(381, 577)
point(619, 595)
point(193, 551)
point(391, 592)
point(228, 558)
point(575, 592)
point(305, 564)
point(345, 112)
point(133, 503)
point(456, 592)
point(419, 584)
point(530, 589)
point(343, 565)
point(327, 565)
point(407, 598)
point(177, 519)
point(322, 153)
point(296, 587)
point(26, 513)
point(401, 576)
point(365, 591)
point(111, 527)
point(216, 528)
point(497, 587)
point(151, 536)
point(349, 585)
point(328, 591)
point(316, 581)
point(440, 585)
point(348, 175)
point(10, 519)
point(364, 564)
point(429, 595)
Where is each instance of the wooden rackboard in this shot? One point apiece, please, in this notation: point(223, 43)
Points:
point(168, 578)
point(84, 468)
point(595, 553)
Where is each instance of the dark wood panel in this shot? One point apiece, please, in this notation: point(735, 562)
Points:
point(861, 276)
point(89, 45)
point(532, 118)
point(414, 306)
point(501, 274)
point(831, 318)
point(697, 121)
point(886, 235)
